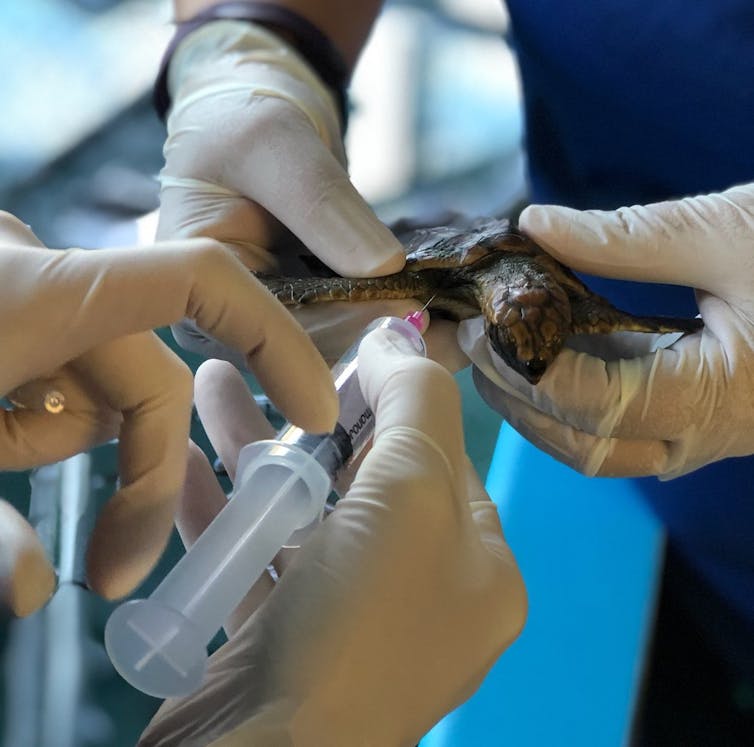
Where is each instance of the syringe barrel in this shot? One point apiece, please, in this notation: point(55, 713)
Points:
point(159, 644)
point(281, 489)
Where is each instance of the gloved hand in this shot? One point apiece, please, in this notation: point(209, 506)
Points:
point(664, 412)
point(77, 322)
point(392, 610)
point(254, 158)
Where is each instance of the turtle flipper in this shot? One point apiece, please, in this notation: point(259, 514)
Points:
point(294, 291)
point(594, 315)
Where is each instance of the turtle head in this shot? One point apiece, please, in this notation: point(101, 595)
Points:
point(526, 327)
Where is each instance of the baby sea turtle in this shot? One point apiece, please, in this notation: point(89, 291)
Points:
point(530, 302)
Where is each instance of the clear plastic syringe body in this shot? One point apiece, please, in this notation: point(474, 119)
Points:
point(159, 644)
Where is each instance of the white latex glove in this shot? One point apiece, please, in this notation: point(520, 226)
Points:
point(254, 147)
point(661, 413)
point(77, 322)
point(394, 608)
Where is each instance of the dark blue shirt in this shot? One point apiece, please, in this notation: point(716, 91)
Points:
point(635, 101)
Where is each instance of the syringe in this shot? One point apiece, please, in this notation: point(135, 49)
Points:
point(159, 644)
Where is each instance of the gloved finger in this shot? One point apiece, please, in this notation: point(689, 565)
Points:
point(229, 414)
point(666, 242)
point(232, 419)
point(617, 345)
point(32, 435)
point(141, 378)
point(292, 173)
point(202, 499)
point(591, 455)
point(412, 395)
point(15, 231)
point(128, 291)
point(27, 579)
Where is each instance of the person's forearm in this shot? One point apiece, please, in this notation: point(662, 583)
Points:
point(347, 23)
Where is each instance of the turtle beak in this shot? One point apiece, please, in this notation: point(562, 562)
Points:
point(503, 343)
point(533, 370)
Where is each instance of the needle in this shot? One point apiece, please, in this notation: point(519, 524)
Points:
point(416, 317)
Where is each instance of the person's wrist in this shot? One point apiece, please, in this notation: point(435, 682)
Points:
point(303, 36)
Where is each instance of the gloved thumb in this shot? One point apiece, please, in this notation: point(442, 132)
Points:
point(406, 390)
point(692, 242)
point(27, 579)
point(318, 202)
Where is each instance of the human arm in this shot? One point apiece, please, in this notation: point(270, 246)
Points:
point(394, 608)
point(346, 23)
point(665, 412)
point(78, 322)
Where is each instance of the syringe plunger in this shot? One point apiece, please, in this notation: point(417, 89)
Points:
point(159, 644)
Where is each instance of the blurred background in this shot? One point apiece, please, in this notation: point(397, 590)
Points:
point(436, 126)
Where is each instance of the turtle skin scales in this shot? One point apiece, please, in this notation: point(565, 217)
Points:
point(531, 303)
